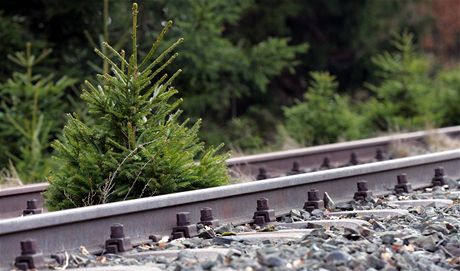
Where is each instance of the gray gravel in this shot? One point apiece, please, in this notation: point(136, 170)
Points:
point(426, 239)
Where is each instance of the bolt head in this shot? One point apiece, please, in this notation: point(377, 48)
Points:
point(262, 204)
point(28, 247)
point(183, 219)
point(402, 178)
point(295, 166)
point(353, 159)
point(362, 186)
point(313, 195)
point(326, 162)
point(206, 214)
point(117, 231)
point(32, 204)
point(439, 172)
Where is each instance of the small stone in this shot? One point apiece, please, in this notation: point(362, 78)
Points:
point(207, 265)
point(174, 246)
point(207, 233)
point(337, 257)
point(378, 225)
point(241, 228)
point(427, 242)
point(224, 228)
point(305, 215)
point(273, 261)
point(328, 202)
point(453, 184)
point(371, 248)
point(453, 248)
point(344, 206)
point(295, 213)
point(351, 234)
point(221, 241)
point(375, 262)
point(388, 239)
point(317, 213)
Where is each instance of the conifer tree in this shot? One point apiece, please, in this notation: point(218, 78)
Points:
point(30, 117)
point(404, 93)
point(324, 116)
point(135, 145)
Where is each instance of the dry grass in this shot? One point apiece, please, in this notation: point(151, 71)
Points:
point(9, 177)
point(240, 176)
point(433, 142)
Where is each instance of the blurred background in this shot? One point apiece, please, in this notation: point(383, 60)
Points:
point(262, 74)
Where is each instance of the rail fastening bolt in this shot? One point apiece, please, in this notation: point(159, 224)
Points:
point(117, 231)
point(439, 178)
point(326, 163)
point(402, 178)
point(295, 166)
point(353, 158)
point(439, 172)
point(379, 155)
point(183, 219)
point(32, 204)
point(206, 214)
point(262, 174)
point(362, 186)
point(313, 195)
point(28, 247)
point(262, 204)
point(30, 258)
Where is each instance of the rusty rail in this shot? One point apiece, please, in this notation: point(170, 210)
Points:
point(13, 200)
point(90, 226)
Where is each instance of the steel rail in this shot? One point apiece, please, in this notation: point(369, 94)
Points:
point(13, 200)
point(338, 153)
point(89, 226)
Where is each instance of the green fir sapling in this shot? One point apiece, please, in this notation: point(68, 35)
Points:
point(31, 113)
point(135, 145)
point(324, 116)
point(404, 94)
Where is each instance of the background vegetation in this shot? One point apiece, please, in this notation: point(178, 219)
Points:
point(262, 74)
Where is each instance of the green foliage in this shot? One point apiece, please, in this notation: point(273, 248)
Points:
point(252, 47)
point(447, 102)
point(230, 68)
point(30, 117)
point(324, 116)
point(135, 145)
point(11, 38)
point(343, 35)
point(404, 92)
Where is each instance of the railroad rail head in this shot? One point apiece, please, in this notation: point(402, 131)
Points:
point(233, 203)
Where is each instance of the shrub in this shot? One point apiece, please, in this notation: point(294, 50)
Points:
point(447, 102)
point(30, 117)
point(134, 146)
point(324, 116)
point(403, 95)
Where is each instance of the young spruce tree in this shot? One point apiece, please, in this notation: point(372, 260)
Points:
point(324, 116)
point(31, 110)
point(404, 94)
point(135, 145)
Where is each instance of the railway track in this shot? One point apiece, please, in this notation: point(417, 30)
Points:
point(176, 214)
point(13, 201)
